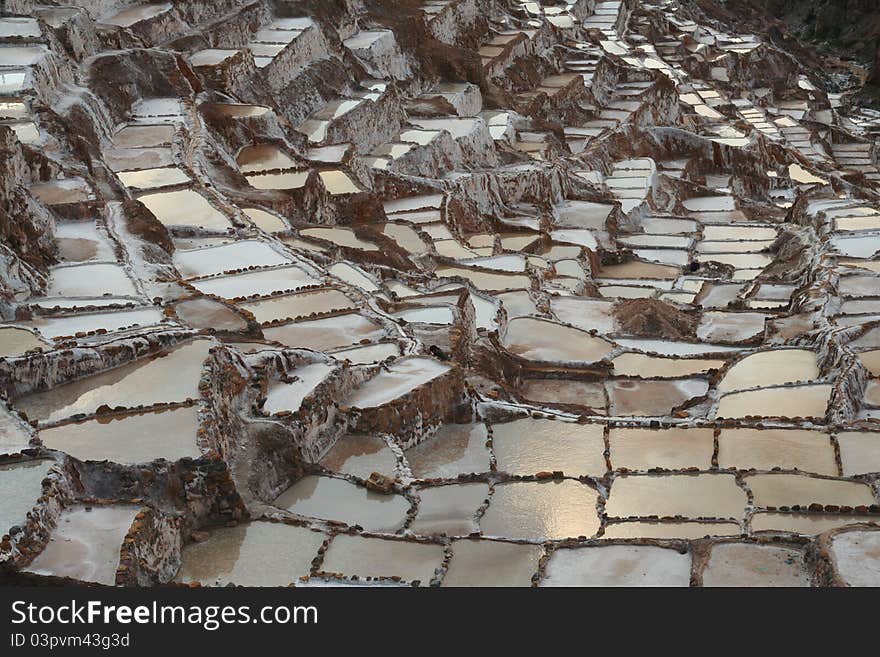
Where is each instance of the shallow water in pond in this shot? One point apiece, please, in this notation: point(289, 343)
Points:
point(249, 555)
point(264, 157)
point(207, 313)
point(769, 368)
point(361, 455)
point(618, 565)
point(672, 449)
point(168, 434)
point(341, 237)
point(449, 510)
point(256, 283)
point(89, 281)
point(689, 496)
point(453, 450)
point(781, 489)
point(20, 486)
point(329, 498)
point(376, 557)
point(326, 334)
point(530, 446)
point(295, 306)
point(217, 259)
point(652, 398)
point(789, 402)
point(15, 341)
point(86, 544)
point(184, 208)
point(788, 449)
point(491, 563)
point(648, 367)
point(174, 377)
point(539, 340)
point(541, 510)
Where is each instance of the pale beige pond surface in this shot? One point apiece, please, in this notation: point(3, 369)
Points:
point(167, 434)
point(455, 449)
point(529, 446)
point(689, 496)
point(328, 498)
point(361, 455)
point(249, 555)
point(20, 484)
point(376, 557)
point(672, 449)
point(171, 377)
point(618, 565)
point(541, 510)
point(744, 564)
point(86, 544)
point(449, 510)
point(491, 563)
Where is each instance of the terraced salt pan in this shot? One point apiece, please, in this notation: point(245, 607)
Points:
point(540, 340)
point(328, 498)
point(53, 327)
point(136, 14)
point(618, 565)
point(427, 315)
point(326, 334)
point(584, 313)
point(744, 449)
point(361, 455)
point(91, 280)
point(368, 354)
point(530, 446)
point(449, 510)
point(652, 398)
point(184, 208)
point(86, 544)
point(745, 564)
point(15, 341)
point(282, 396)
point(376, 557)
point(491, 563)
point(541, 510)
point(689, 496)
point(339, 236)
point(674, 530)
point(588, 394)
point(646, 367)
point(129, 439)
point(672, 449)
point(397, 380)
point(767, 368)
point(486, 281)
point(203, 313)
point(263, 157)
point(283, 181)
point(208, 261)
point(859, 452)
point(453, 450)
point(806, 524)
point(295, 306)
point(21, 484)
point(172, 377)
point(781, 489)
point(249, 555)
point(856, 556)
point(256, 283)
point(788, 402)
